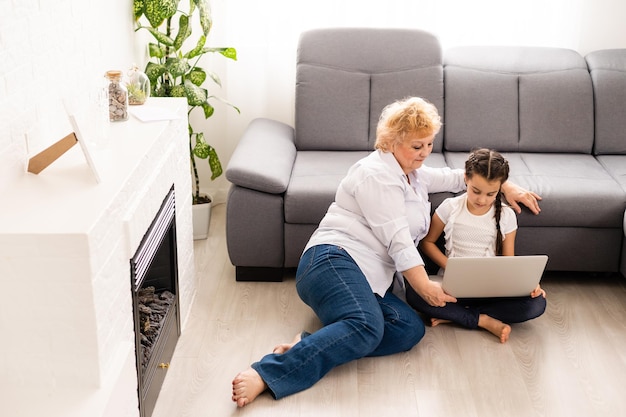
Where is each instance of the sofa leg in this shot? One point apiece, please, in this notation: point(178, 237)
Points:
point(257, 273)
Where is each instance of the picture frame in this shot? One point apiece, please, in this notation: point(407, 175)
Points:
point(47, 156)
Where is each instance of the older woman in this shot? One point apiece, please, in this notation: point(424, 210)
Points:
point(346, 272)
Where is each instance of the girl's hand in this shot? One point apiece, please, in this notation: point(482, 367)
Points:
point(537, 292)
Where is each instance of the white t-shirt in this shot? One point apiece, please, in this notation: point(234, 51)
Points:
point(378, 217)
point(468, 234)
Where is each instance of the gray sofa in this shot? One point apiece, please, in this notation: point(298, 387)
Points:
point(557, 116)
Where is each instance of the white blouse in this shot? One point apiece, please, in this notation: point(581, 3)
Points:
point(378, 217)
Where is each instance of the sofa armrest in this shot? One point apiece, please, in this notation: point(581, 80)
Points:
point(264, 157)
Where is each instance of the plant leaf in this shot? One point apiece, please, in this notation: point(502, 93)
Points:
point(225, 102)
point(157, 11)
point(154, 71)
point(156, 50)
point(230, 53)
point(197, 76)
point(201, 150)
point(215, 78)
point(177, 67)
point(198, 48)
point(196, 96)
point(184, 31)
point(159, 36)
point(214, 163)
point(178, 91)
point(206, 20)
point(138, 6)
point(208, 109)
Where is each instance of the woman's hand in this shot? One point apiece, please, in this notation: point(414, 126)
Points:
point(430, 291)
point(515, 194)
point(434, 295)
point(537, 292)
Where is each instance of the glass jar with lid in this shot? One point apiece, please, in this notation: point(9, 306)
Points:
point(138, 86)
point(118, 97)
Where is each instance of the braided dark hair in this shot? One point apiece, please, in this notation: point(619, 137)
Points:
point(492, 166)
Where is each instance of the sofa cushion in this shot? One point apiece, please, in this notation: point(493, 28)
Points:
point(340, 123)
point(514, 99)
point(576, 190)
point(314, 181)
point(478, 96)
point(608, 74)
point(346, 76)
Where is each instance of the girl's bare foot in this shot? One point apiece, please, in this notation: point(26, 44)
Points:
point(247, 385)
point(284, 347)
point(435, 321)
point(495, 326)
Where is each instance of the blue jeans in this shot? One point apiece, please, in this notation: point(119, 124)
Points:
point(357, 323)
point(466, 311)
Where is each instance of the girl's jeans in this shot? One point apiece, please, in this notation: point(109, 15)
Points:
point(466, 311)
point(357, 323)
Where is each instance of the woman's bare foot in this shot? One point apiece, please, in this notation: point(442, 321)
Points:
point(435, 321)
point(284, 347)
point(495, 326)
point(247, 385)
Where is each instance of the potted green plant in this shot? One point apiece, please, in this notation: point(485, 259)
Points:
point(173, 68)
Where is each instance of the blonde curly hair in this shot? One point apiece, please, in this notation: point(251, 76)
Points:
point(409, 116)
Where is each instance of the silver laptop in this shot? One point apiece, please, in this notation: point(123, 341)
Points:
point(498, 276)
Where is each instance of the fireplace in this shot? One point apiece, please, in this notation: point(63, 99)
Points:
point(156, 307)
point(66, 255)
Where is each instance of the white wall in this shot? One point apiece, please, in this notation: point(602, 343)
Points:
point(53, 49)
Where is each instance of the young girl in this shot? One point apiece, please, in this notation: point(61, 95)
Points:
point(476, 223)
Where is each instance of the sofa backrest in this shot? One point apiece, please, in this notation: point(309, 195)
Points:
point(517, 99)
point(608, 74)
point(346, 76)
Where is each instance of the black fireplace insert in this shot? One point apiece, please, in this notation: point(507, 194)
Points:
point(156, 307)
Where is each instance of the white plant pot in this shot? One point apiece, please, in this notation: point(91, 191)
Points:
point(201, 216)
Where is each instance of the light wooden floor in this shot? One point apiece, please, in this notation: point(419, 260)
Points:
point(569, 362)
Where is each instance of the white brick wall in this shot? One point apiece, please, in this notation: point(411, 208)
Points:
point(53, 50)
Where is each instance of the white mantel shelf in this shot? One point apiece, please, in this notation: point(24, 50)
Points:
point(65, 245)
point(65, 197)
